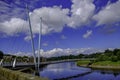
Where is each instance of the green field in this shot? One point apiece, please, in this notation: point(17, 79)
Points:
point(107, 63)
point(83, 62)
point(102, 64)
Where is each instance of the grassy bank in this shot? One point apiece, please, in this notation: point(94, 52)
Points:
point(100, 64)
point(16, 75)
point(2, 78)
point(83, 62)
point(107, 63)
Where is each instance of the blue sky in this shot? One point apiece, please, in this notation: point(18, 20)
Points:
point(72, 26)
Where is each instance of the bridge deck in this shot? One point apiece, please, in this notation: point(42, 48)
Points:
point(8, 65)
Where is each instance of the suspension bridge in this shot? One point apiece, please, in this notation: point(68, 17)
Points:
point(23, 65)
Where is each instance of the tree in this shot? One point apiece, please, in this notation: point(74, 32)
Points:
point(80, 55)
point(118, 55)
point(1, 55)
point(115, 51)
point(102, 57)
point(114, 58)
point(108, 52)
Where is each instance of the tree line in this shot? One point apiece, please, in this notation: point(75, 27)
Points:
point(107, 55)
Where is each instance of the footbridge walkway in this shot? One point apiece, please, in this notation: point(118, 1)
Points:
point(9, 65)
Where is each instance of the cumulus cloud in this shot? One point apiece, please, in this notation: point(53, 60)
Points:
point(21, 54)
point(82, 11)
point(53, 19)
point(14, 26)
point(108, 15)
point(87, 34)
point(61, 52)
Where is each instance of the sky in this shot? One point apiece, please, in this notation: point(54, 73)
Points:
point(68, 26)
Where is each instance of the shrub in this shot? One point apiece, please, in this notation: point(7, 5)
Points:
point(114, 58)
point(102, 58)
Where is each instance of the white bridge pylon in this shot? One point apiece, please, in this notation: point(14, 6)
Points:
point(14, 63)
point(1, 62)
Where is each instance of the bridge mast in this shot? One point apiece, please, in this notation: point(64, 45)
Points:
point(1, 62)
point(32, 41)
point(39, 42)
point(14, 63)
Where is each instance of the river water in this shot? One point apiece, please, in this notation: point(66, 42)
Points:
point(70, 71)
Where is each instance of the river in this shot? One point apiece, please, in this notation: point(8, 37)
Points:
point(70, 71)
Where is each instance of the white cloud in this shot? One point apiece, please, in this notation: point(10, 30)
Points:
point(9, 11)
point(27, 38)
point(21, 54)
point(61, 52)
point(87, 34)
point(53, 19)
point(16, 9)
point(14, 26)
point(108, 15)
point(82, 11)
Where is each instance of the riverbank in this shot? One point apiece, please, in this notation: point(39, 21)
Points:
point(7, 74)
point(2, 78)
point(100, 65)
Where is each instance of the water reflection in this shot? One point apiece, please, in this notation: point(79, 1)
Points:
point(69, 71)
point(98, 76)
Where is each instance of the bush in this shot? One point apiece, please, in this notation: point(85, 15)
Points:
point(118, 55)
point(114, 58)
point(102, 58)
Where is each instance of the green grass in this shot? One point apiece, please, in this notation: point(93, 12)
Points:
point(3, 78)
point(16, 75)
point(106, 63)
point(100, 63)
point(83, 62)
